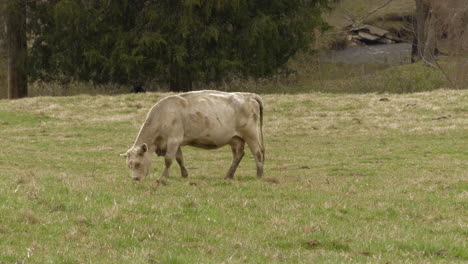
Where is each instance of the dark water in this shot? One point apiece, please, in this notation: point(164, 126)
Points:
point(391, 54)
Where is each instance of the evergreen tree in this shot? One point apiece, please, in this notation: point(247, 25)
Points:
point(175, 41)
point(90, 40)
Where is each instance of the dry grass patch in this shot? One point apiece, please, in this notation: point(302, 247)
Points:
point(366, 114)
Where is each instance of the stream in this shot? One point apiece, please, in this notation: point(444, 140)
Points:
point(391, 54)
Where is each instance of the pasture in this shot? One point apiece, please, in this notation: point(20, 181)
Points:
point(365, 178)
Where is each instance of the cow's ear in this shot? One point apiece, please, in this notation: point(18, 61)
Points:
point(124, 155)
point(143, 149)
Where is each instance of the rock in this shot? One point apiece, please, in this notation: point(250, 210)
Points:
point(364, 35)
point(372, 35)
point(385, 41)
point(373, 30)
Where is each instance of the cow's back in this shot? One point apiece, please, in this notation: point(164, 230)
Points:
point(210, 117)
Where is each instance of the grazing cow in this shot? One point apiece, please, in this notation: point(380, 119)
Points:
point(203, 119)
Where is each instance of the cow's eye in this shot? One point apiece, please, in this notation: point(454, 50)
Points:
point(137, 165)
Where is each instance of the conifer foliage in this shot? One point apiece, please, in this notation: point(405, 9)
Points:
point(175, 41)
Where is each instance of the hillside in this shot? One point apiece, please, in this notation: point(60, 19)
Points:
point(345, 12)
point(394, 16)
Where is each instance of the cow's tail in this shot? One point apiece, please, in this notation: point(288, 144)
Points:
point(259, 100)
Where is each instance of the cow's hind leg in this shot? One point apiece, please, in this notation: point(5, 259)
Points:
point(259, 154)
point(180, 160)
point(237, 147)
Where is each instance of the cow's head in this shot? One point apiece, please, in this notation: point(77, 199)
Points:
point(139, 161)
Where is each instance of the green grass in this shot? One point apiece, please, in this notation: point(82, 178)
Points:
point(348, 179)
point(351, 79)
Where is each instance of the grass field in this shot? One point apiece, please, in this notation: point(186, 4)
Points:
point(373, 178)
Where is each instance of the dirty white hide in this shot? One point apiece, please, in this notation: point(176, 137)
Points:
point(203, 119)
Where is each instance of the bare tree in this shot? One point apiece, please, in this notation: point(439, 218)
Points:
point(422, 15)
point(447, 20)
point(16, 48)
point(453, 21)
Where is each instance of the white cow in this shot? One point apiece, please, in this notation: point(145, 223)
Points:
point(203, 119)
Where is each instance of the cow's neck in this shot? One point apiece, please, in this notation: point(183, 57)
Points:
point(146, 135)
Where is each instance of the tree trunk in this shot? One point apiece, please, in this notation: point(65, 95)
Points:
point(430, 46)
point(414, 45)
point(422, 11)
point(16, 48)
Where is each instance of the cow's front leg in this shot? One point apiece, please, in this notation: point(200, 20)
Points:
point(180, 160)
point(171, 152)
point(167, 163)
